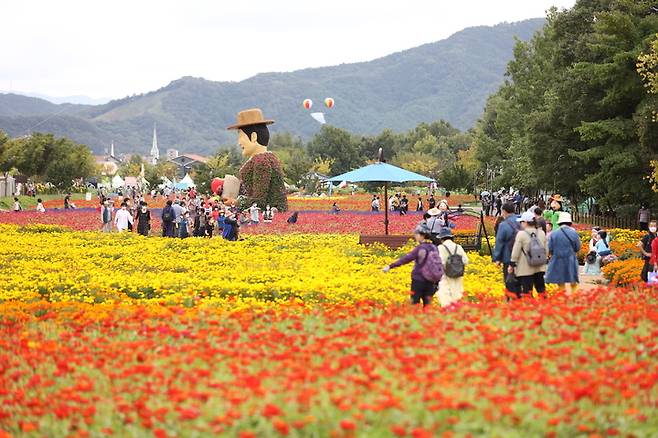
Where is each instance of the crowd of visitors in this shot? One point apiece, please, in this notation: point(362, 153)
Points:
point(185, 214)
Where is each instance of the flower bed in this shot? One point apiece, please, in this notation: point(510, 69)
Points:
point(48, 263)
point(309, 222)
point(558, 367)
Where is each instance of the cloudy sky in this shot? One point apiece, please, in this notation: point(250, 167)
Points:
point(116, 48)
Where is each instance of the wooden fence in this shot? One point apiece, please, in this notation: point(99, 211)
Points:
point(606, 221)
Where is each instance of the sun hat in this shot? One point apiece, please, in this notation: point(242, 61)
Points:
point(527, 216)
point(564, 218)
point(434, 211)
point(557, 198)
point(253, 116)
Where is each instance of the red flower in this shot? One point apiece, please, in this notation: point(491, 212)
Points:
point(271, 410)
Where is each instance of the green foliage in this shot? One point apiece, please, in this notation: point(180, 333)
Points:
point(573, 116)
point(338, 145)
point(133, 166)
point(221, 164)
point(44, 157)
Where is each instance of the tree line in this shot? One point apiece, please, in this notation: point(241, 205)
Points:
point(576, 113)
point(46, 158)
point(433, 149)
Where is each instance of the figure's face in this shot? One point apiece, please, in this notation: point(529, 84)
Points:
point(249, 145)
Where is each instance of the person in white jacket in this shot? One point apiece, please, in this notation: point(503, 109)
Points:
point(122, 218)
point(451, 288)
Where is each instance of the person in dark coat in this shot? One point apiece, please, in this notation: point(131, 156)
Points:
point(168, 216)
point(293, 218)
point(505, 236)
point(645, 248)
point(563, 246)
point(144, 220)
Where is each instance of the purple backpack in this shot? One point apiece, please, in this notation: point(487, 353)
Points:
point(432, 268)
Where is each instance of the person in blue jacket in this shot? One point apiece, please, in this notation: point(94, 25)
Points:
point(563, 246)
point(507, 229)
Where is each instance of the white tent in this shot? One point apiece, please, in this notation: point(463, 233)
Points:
point(117, 182)
point(188, 180)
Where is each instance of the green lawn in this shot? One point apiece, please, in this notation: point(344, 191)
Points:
point(29, 202)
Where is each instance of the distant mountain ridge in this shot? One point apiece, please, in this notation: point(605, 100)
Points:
point(449, 79)
point(76, 100)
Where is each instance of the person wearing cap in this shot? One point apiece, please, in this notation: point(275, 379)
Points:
point(563, 247)
point(529, 276)
point(505, 235)
point(451, 290)
point(435, 223)
point(262, 174)
point(421, 289)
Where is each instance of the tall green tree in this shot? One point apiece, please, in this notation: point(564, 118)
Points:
point(68, 161)
point(338, 145)
point(573, 116)
point(49, 159)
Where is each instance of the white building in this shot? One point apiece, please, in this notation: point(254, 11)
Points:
point(155, 152)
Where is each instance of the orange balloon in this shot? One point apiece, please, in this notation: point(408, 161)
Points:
point(308, 103)
point(329, 102)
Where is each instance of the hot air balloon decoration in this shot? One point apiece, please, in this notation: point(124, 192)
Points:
point(329, 102)
point(308, 103)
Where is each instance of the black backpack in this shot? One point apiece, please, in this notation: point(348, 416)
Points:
point(454, 264)
point(167, 215)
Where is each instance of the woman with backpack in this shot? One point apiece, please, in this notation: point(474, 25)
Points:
point(564, 246)
point(529, 256)
point(454, 259)
point(428, 269)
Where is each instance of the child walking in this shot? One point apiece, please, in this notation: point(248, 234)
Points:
point(428, 269)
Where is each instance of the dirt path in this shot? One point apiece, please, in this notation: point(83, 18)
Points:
point(589, 282)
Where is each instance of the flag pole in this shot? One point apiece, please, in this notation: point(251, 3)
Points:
point(382, 160)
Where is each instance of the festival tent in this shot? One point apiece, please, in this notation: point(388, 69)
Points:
point(187, 180)
point(384, 173)
point(117, 182)
point(166, 182)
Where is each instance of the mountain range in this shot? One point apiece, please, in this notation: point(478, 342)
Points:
point(448, 79)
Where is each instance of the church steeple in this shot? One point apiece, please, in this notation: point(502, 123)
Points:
point(155, 152)
point(112, 149)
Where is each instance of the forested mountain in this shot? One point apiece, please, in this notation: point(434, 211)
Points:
point(449, 79)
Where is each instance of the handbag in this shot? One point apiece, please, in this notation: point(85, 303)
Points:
point(652, 278)
point(512, 283)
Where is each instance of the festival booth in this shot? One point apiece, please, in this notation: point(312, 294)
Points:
point(117, 182)
point(187, 180)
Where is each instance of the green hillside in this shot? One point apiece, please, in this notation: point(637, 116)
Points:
point(449, 79)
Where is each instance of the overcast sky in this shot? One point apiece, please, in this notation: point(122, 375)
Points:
point(116, 48)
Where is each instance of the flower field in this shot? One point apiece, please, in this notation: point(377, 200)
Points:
point(560, 367)
point(296, 332)
point(309, 222)
point(51, 263)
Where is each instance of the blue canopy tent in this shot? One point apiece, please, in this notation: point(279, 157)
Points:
point(384, 173)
